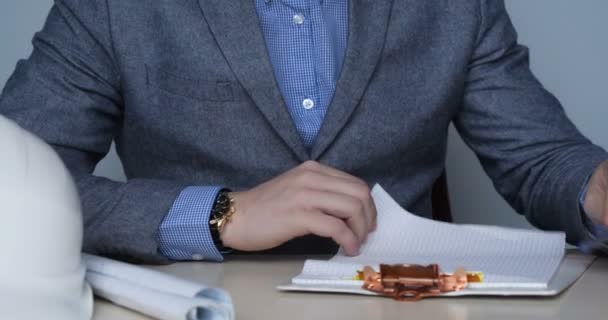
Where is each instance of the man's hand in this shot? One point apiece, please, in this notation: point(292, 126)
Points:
point(309, 199)
point(596, 200)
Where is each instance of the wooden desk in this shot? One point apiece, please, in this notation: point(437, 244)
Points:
point(252, 280)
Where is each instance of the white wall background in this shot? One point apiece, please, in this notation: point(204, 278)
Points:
point(569, 47)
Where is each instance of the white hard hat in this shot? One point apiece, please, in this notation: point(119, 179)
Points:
point(41, 274)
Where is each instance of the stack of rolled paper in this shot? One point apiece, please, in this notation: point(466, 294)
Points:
point(154, 293)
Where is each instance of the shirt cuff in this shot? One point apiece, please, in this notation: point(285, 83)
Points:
point(184, 232)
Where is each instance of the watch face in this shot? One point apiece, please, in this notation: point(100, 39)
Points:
point(220, 215)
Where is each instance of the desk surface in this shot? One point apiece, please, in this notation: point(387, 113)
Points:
point(252, 280)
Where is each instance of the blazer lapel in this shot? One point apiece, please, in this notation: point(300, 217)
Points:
point(236, 29)
point(368, 20)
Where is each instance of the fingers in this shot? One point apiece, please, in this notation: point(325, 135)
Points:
point(324, 225)
point(360, 189)
point(341, 187)
point(351, 210)
point(333, 203)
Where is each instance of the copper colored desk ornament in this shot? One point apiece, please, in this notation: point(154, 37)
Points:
point(409, 282)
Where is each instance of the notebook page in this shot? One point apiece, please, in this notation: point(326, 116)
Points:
point(507, 257)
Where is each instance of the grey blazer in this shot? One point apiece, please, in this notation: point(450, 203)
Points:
point(186, 90)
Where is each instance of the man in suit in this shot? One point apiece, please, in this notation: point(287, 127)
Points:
point(257, 124)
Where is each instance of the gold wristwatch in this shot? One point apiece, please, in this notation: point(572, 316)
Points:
point(221, 214)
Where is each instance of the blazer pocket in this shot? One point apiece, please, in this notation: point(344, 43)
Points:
point(205, 90)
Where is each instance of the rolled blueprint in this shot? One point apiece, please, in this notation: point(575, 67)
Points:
point(156, 294)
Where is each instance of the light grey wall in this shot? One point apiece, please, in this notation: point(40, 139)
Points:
point(569, 49)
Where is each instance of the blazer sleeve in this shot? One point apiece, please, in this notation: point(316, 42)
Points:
point(536, 158)
point(68, 93)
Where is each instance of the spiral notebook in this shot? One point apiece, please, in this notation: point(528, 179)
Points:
point(513, 261)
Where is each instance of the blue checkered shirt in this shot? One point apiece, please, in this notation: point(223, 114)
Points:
point(306, 41)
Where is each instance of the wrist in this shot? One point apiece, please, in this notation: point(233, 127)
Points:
point(595, 195)
point(228, 234)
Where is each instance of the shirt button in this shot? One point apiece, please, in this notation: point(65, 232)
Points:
point(308, 104)
point(197, 257)
point(298, 18)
